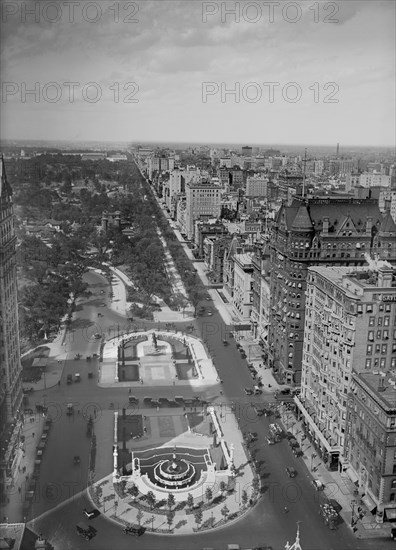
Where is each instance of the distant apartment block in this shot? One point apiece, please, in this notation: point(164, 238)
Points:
point(203, 202)
point(242, 297)
point(374, 180)
point(256, 186)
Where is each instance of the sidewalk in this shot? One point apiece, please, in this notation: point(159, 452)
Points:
point(338, 486)
point(17, 509)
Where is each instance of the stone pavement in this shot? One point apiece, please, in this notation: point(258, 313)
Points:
point(125, 510)
point(206, 370)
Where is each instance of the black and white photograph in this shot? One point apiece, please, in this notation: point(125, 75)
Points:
point(198, 275)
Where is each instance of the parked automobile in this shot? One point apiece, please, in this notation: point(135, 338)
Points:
point(69, 379)
point(76, 459)
point(86, 531)
point(270, 440)
point(98, 336)
point(393, 533)
point(248, 391)
point(257, 390)
point(77, 377)
point(319, 485)
point(225, 343)
point(291, 472)
point(91, 514)
point(69, 409)
point(137, 530)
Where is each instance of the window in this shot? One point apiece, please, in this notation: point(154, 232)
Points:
point(379, 334)
point(368, 364)
point(386, 321)
point(385, 335)
point(371, 335)
point(393, 486)
point(384, 349)
point(369, 308)
point(377, 348)
point(380, 321)
point(369, 349)
point(383, 362)
point(371, 321)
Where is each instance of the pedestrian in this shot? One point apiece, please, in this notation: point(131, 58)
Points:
point(130, 391)
point(141, 380)
point(58, 382)
point(32, 434)
point(19, 490)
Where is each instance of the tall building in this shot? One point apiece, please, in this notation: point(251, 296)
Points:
point(256, 186)
point(10, 365)
point(349, 327)
point(319, 231)
point(203, 202)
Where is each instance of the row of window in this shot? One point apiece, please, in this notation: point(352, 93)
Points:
point(385, 321)
point(380, 348)
point(380, 363)
point(380, 335)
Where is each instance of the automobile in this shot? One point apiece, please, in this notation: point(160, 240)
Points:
point(289, 435)
point(248, 391)
point(252, 436)
point(319, 486)
point(77, 377)
point(98, 336)
point(208, 298)
point(270, 440)
point(297, 451)
point(293, 442)
point(257, 390)
point(102, 304)
point(291, 472)
point(393, 533)
point(69, 379)
point(225, 343)
point(243, 355)
point(76, 459)
point(86, 531)
point(133, 399)
point(91, 514)
point(134, 530)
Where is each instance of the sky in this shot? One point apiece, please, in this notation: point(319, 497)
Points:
point(191, 71)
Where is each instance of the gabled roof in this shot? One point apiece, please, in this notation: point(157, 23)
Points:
point(302, 220)
point(388, 224)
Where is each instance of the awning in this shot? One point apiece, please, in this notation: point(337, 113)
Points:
point(369, 503)
point(352, 476)
point(390, 513)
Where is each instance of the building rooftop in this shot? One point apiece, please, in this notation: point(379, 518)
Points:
point(244, 259)
point(364, 277)
point(382, 384)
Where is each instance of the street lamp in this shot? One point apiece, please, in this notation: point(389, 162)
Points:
point(152, 522)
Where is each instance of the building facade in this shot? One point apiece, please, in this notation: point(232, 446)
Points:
point(203, 201)
point(10, 370)
point(317, 231)
point(344, 308)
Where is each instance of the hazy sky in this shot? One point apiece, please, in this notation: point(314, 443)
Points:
point(160, 71)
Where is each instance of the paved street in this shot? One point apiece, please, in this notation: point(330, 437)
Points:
point(264, 524)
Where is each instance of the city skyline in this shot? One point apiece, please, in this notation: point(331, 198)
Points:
point(163, 72)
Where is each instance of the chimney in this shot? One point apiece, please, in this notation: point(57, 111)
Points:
point(325, 229)
point(369, 225)
point(385, 275)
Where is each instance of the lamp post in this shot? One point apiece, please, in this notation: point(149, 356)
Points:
point(353, 502)
point(152, 522)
